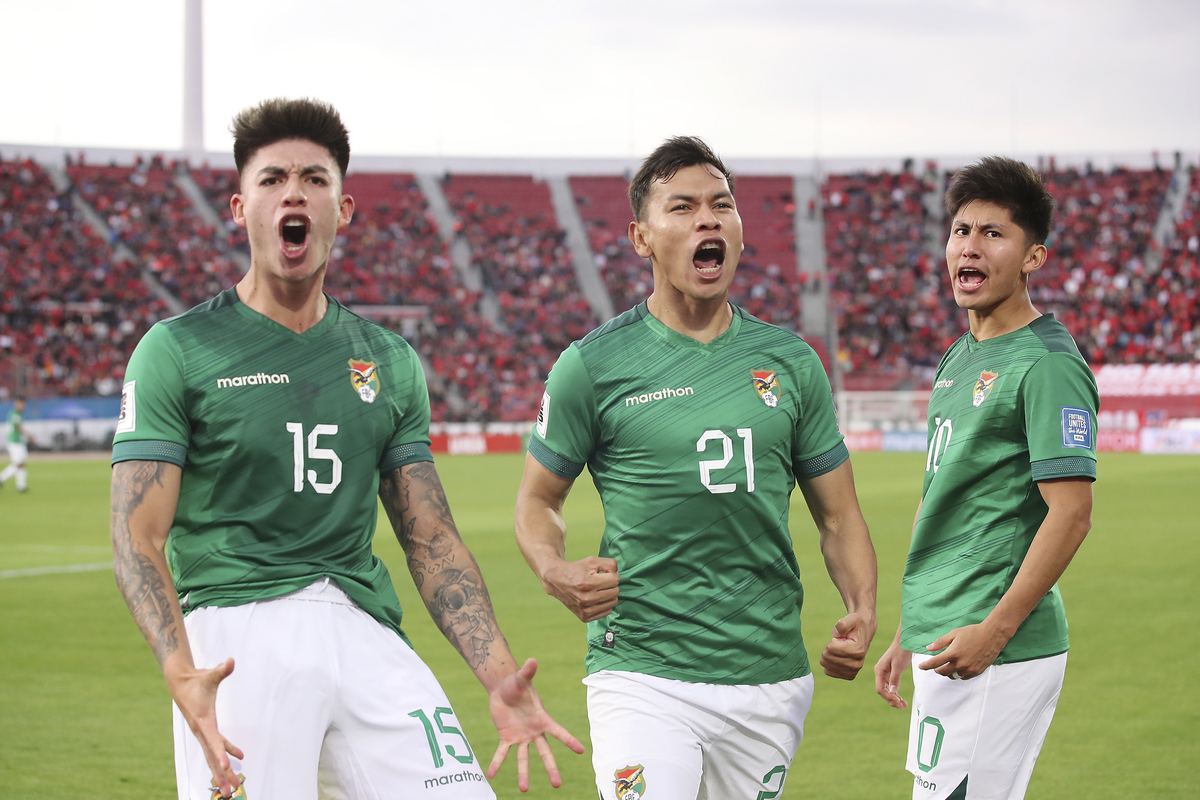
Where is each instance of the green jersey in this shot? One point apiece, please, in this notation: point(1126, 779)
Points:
point(695, 449)
point(1004, 414)
point(15, 418)
point(281, 437)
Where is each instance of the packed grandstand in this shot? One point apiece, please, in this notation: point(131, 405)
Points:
point(490, 275)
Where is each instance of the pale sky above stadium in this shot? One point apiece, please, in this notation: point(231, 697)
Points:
point(554, 78)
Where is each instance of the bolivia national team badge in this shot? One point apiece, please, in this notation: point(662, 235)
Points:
point(767, 386)
point(364, 377)
point(630, 782)
point(983, 387)
point(239, 792)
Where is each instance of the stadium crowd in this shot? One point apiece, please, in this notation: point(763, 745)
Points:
point(71, 308)
point(70, 311)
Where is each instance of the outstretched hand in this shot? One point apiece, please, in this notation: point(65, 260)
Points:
point(520, 719)
point(195, 693)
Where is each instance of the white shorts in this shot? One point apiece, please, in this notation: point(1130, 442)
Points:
point(18, 452)
point(676, 740)
point(325, 702)
point(985, 732)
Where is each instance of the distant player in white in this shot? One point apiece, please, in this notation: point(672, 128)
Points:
point(18, 446)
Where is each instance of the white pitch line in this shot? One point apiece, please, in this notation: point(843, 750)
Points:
point(24, 573)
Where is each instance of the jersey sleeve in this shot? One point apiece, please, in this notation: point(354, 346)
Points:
point(1060, 404)
point(817, 445)
point(410, 441)
point(153, 423)
point(566, 430)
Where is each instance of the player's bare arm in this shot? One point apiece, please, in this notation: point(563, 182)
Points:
point(143, 500)
point(968, 651)
point(588, 587)
point(850, 560)
point(452, 587)
point(891, 665)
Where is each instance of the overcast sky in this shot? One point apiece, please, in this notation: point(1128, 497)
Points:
point(769, 78)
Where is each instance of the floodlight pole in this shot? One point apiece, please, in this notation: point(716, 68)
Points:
point(193, 77)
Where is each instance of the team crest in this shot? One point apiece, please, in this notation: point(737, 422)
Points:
point(767, 385)
point(630, 782)
point(239, 792)
point(364, 377)
point(983, 387)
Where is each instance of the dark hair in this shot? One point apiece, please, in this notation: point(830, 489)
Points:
point(674, 154)
point(278, 119)
point(1013, 185)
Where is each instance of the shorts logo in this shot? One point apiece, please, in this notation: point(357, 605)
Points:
point(1076, 427)
point(127, 421)
point(364, 377)
point(239, 792)
point(983, 387)
point(767, 385)
point(630, 782)
point(543, 415)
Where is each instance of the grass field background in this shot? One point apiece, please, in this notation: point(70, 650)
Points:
point(84, 712)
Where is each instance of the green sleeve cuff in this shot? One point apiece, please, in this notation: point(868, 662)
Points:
point(405, 454)
point(149, 450)
point(826, 462)
point(553, 461)
point(1074, 467)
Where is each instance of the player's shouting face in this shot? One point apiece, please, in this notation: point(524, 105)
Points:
point(691, 233)
point(292, 206)
point(989, 258)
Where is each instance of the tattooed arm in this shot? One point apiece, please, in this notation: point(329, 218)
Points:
point(453, 590)
point(144, 496)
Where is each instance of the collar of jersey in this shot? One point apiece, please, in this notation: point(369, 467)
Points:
point(331, 314)
point(974, 345)
point(680, 340)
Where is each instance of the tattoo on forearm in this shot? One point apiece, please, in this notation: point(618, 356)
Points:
point(441, 566)
point(142, 584)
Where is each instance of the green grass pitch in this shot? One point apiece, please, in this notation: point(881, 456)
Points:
point(84, 712)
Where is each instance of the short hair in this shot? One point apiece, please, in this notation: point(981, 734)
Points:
point(278, 119)
point(1013, 185)
point(676, 153)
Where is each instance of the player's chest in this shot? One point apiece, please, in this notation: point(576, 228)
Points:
point(688, 408)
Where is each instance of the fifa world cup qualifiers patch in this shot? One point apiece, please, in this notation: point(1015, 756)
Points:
point(630, 782)
point(127, 421)
point(543, 415)
point(1076, 427)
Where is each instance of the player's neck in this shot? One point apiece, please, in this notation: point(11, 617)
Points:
point(1013, 314)
point(702, 320)
point(296, 305)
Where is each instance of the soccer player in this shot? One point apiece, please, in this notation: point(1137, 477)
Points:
point(255, 433)
point(1006, 503)
point(18, 446)
point(696, 421)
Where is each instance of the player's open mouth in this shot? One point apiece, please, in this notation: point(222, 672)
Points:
point(709, 257)
point(293, 233)
point(969, 278)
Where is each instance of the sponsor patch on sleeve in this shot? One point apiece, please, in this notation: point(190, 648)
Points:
point(127, 421)
point(1076, 427)
point(543, 415)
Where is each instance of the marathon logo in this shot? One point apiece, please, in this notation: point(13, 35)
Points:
point(261, 379)
point(466, 776)
point(661, 394)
